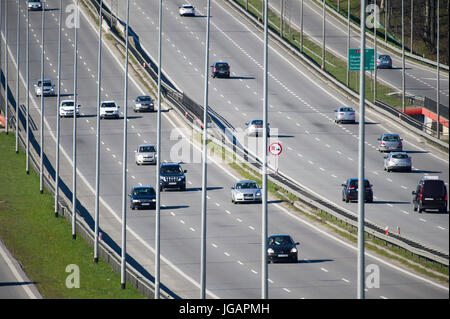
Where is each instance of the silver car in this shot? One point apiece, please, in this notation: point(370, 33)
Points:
point(143, 103)
point(44, 86)
point(255, 127)
point(344, 114)
point(34, 5)
point(245, 191)
point(397, 161)
point(390, 143)
point(186, 10)
point(146, 154)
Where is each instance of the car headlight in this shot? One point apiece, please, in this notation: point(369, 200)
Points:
point(140, 157)
point(138, 104)
point(258, 194)
point(239, 195)
point(154, 200)
point(294, 250)
point(135, 200)
point(270, 251)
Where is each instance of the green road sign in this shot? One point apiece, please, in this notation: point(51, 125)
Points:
point(354, 58)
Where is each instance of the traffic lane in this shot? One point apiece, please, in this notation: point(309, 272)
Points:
point(14, 283)
point(89, 139)
point(417, 77)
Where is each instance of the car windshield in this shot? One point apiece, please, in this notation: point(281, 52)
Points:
point(221, 66)
point(246, 185)
point(146, 149)
point(280, 240)
point(354, 183)
point(67, 103)
point(171, 169)
point(256, 122)
point(144, 191)
point(400, 156)
point(391, 138)
point(109, 104)
point(346, 109)
point(143, 99)
point(434, 188)
point(45, 83)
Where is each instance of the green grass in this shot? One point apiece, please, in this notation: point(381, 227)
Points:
point(334, 65)
point(42, 243)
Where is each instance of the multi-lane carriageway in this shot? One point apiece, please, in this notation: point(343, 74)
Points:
point(327, 265)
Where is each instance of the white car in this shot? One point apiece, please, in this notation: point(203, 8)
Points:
point(187, 10)
point(45, 86)
point(145, 154)
point(66, 108)
point(255, 128)
point(109, 109)
point(34, 5)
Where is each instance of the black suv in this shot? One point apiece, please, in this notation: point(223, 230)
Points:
point(350, 191)
point(431, 193)
point(142, 197)
point(220, 69)
point(172, 176)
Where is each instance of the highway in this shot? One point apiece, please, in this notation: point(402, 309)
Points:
point(301, 108)
point(420, 80)
point(14, 283)
point(327, 265)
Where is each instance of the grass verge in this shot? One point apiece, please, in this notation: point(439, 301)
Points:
point(343, 230)
point(42, 243)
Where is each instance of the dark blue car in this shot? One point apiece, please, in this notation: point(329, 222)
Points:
point(142, 197)
point(350, 190)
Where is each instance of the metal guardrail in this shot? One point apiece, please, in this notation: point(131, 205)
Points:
point(287, 46)
point(290, 185)
point(388, 45)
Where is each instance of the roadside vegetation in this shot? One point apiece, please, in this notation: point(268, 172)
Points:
point(43, 244)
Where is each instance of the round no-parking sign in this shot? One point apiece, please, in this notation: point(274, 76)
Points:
point(275, 149)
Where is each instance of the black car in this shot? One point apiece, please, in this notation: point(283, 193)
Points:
point(350, 191)
point(142, 197)
point(430, 193)
point(220, 69)
point(172, 176)
point(281, 248)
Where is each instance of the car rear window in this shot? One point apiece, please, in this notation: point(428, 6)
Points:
point(391, 138)
point(346, 109)
point(144, 99)
point(354, 183)
point(221, 66)
point(384, 57)
point(257, 122)
point(400, 156)
point(436, 188)
point(187, 7)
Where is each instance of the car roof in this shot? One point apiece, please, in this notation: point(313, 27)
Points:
point(170, 164)
point(390, 134)
point(394, 153)
point(108, 101)
point(245, 181)
point(355, 178)
point(146, 145)
point(280, 235)
point(143, 95)
point(220, 62)
point(141, 187)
